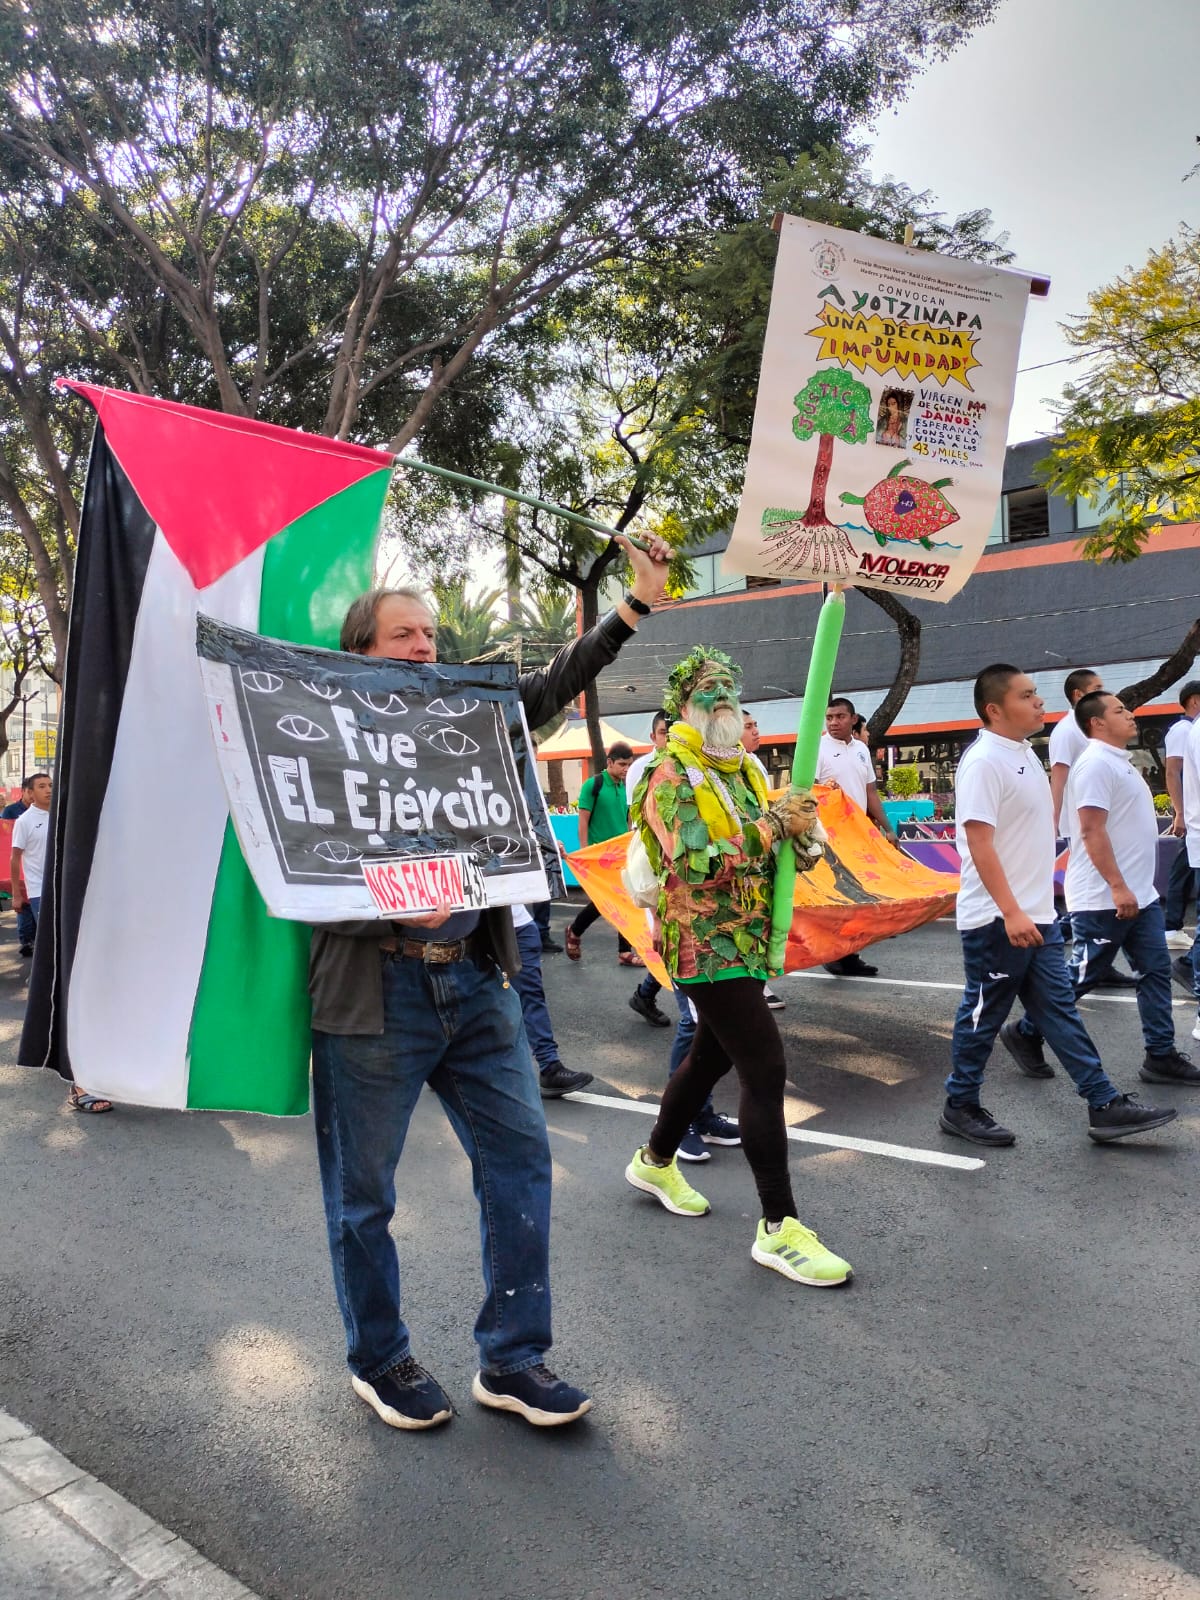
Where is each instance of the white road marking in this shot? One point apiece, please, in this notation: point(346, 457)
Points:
point(837, 1141)
point(956, 988)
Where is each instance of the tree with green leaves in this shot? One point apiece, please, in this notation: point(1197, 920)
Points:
point(1130, 426)
point(357, 220)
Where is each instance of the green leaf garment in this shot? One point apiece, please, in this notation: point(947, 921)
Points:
point(704, 825)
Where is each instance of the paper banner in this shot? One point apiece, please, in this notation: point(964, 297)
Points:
point(882, 415)
point(862, 891)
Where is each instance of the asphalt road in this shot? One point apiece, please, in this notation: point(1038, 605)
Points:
point(1002, 1406)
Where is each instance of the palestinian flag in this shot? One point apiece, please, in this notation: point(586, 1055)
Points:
point(158, 978)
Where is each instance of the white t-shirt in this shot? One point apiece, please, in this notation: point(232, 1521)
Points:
point(1191, 794)
point(1067, 742)
point(1177, 738)
point(522, 916)
point(1000, 781)
point(848, 765)
point(29, 835)
point(1106, 778)
point(634, 776)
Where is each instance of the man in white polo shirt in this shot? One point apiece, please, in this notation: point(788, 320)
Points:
point(845, 761)
point(1012, 945)
point(1191, 817)
point(1067, 740)
point(1181, 881)
point(1110, 880)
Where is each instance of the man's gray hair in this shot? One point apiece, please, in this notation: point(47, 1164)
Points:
point(358, 628)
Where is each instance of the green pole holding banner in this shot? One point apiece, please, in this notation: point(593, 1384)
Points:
point(804, 762)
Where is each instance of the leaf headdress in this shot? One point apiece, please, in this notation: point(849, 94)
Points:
point(683, 677)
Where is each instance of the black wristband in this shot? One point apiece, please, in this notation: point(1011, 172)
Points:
point(634, 604)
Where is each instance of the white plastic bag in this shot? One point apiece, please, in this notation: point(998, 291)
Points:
point(638, 876)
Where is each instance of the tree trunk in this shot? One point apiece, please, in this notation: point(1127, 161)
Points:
point(1172, 669)
point(815, 516)
point(589, 595)
point(908, 626)
point(556, 788)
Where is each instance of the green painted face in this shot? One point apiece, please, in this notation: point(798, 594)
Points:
point(714, 685)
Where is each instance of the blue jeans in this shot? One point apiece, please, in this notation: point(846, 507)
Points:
point(997, 973)
point(1098, 937)
point(27, 923)
point(540, 912)
point(457, 1029)
point(685, 1032)
point(528, 984)
point(1181, 887)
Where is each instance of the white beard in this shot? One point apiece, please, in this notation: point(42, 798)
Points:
point(721, 728)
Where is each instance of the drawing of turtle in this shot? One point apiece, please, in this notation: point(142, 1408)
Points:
point(905, 508)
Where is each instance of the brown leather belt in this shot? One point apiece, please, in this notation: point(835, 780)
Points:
point(432, 952)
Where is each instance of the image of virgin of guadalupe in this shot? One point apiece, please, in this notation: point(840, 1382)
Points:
point(892, 423)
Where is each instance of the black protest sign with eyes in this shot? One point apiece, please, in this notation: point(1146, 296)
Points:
point(336, 763)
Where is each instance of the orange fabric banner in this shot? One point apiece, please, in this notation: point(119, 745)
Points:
point(862, 890)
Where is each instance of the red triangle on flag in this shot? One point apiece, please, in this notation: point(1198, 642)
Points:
point(220, 486)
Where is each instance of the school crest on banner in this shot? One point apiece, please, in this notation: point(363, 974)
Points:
point(882, 414)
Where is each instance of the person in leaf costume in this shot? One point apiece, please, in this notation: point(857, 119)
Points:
point(704, 817)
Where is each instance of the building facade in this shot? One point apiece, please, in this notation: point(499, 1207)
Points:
point(1033, 601)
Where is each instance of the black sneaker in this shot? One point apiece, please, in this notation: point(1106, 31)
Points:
point(716, 1129)
point(975, 1123)
point(851, 967)
point(649, 1009)
point(1125, 1115)
point(1185, 977)
point(405, 1396)
point(1115, 979)
point(535, 1394)
point(692, 1147)
point(26, 950)
point(556, 1080)
point(551, 947)
point(775, 1002)
point(1027, 1053)
point(1172, 1068)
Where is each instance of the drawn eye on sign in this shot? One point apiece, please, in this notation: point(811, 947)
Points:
point(261, 682)
point(323, 691)
point(337, 851)
point(386, 705)
point(451, 741)
point(452, 708)
point(499, 846)
point(298, 727)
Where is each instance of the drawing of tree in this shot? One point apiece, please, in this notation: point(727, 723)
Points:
point(836, 407)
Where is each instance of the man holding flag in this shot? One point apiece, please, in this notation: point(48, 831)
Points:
point(428, 1001)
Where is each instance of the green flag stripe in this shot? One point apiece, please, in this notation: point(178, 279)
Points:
point(250, 1043)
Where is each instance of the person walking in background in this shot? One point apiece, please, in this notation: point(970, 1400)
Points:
point(1109, 884)
point(1191, 818)
point(554, 1078)
point(26, 921)
point(1012, 943)
point(1182, 881)
point(603, 814)
point(1067, 740)
point(845, 762)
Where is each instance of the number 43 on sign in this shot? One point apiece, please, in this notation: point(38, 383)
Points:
point(402, 885)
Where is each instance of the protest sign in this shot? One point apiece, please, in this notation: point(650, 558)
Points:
point(361, 787)
point(906, 356)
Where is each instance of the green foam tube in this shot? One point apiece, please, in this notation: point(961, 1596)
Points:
point(804, 762)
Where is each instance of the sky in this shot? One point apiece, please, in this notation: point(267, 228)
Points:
point(1074, 122)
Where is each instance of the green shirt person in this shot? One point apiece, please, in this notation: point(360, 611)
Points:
point(603, 814)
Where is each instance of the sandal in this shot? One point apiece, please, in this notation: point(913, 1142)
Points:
point(630, 958)
point(574, 947)
point(80, 1100)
